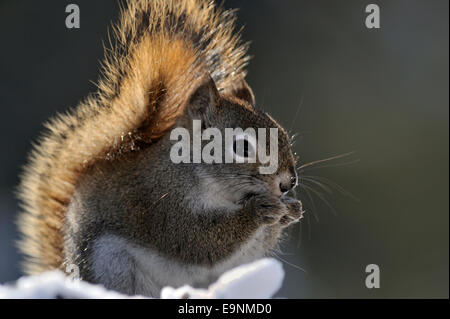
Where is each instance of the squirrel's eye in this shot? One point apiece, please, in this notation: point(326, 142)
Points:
point(243, 148)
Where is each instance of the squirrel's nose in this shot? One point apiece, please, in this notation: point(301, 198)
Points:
point(287, 183)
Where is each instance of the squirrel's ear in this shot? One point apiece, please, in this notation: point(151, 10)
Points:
point(204, 99)
point(242, 91)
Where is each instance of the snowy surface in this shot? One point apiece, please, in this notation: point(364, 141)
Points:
point(261, 279)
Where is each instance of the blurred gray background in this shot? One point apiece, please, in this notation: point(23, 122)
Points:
point(319, 71)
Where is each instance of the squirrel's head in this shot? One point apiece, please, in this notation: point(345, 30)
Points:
point(236, 149)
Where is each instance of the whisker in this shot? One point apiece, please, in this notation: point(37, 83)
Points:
point(237, 187)
point(321, 197)
point(297, 112)
point(338, 187)
point(289, 263)
point(308, 220)
point(321, 185)
point(325, 160)
point(158, 200)
point(233, 183)
point(300, 234)
point(307, 169)
point(296, 136)
point(313, 205)
point(293, 139)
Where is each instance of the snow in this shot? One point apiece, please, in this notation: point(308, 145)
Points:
point(260, 279)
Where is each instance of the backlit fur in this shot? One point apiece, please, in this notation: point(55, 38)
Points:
point(160, 50)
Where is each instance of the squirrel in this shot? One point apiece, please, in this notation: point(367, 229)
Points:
point(100, 191)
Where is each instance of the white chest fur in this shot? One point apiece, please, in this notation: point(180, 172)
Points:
point(133, 269)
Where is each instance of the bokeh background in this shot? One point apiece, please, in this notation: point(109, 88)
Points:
point(316, 68)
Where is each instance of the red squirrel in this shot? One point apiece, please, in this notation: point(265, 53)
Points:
point(100, 190)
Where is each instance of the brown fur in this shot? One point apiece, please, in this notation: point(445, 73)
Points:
point(161, 50)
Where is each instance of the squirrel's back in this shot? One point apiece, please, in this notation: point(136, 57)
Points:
point(161, 49)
